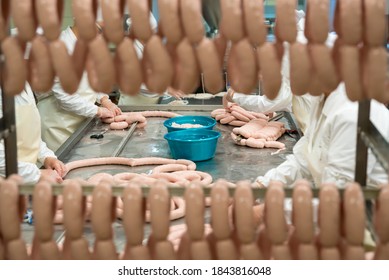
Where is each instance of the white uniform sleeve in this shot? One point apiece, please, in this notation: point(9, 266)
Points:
point(44, 152)
point(28, 171)
point(73, 102)
point(292, 169)
point(340, 165)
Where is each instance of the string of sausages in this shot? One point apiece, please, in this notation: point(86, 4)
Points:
point(358, 58)
point(253, 129)
point(234, 232)
point(125, 120)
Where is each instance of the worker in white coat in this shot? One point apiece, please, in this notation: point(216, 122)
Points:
point(285, 101)
point(327, 152)
point(62, 113)
point(30, 147)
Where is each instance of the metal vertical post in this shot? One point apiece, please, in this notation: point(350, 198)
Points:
point(362, 149)
point(9, 132)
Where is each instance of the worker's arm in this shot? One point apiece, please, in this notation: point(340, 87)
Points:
point(292, 169)
point(28, 171)
point(73, 102)
point(341, 153)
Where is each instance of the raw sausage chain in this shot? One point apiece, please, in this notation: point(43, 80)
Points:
point(252, 129)
point(178, 54)
point(125, 120)
point(234, 230)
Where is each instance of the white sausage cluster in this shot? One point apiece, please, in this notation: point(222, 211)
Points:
point(235, 231)
point(358, 57)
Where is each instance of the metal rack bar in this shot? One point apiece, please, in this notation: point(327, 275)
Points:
point(8, 127)
point(362, 149)
point(74, 139)
point(117, 191)
point(122, 144)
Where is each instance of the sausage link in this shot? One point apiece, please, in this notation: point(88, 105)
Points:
point(317, 16)
point(381, 215)
point(195, 206)
point(303, 212)
point(353, 214)
point(274, 213)
point(226, 250)
point(187, 70)
point(113, 20)
point(169, 12)
point(231, 23)
point(348, 25)
point(254, 22)
point(324, 66)
point(103, 211)
point(64, 66)
point(192, 20)
point(49, 14)
point(300, 68)
point(158, 200)
point(24, 17)
point(329, 216)
point(374, 23)
point(219, 211)
point(350, 71)
point(10, 211)
point(102, 61)
point(16, 250)
point(374, 73)
point(286, 29)
point(85, 13)
point(4, 17)
point(270, 68)
point(210, 65)
point(243, 213)
point(74, 210)
point(157, 65)
point(15, 70)
point(41, 71)
point(242, 67)
point(134, 214)
point(105, 250)
point(164, 251)
point(128, 68)
point(44, 209)
point(140, 11)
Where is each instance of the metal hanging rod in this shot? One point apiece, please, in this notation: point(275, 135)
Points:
point(117, 191)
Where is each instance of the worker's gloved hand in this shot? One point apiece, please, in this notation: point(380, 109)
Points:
point(230, 95)
point(51, 175)
point(177, 94)
point(55, 164)
point(104, 113)
point(107, 103)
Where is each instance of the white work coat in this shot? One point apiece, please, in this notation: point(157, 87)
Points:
point(326, 153)
point(31, 148)
point(62, 113)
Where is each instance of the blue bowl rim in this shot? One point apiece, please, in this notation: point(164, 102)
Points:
point(168, 123)
point(216, 135)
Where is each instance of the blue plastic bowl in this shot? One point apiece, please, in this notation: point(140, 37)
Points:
point(205, 122)
point(193, 144)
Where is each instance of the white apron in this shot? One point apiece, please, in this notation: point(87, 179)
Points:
point(28, 131)
point(58, 124)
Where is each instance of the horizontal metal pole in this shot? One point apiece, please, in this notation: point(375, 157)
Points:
point(174, 190)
